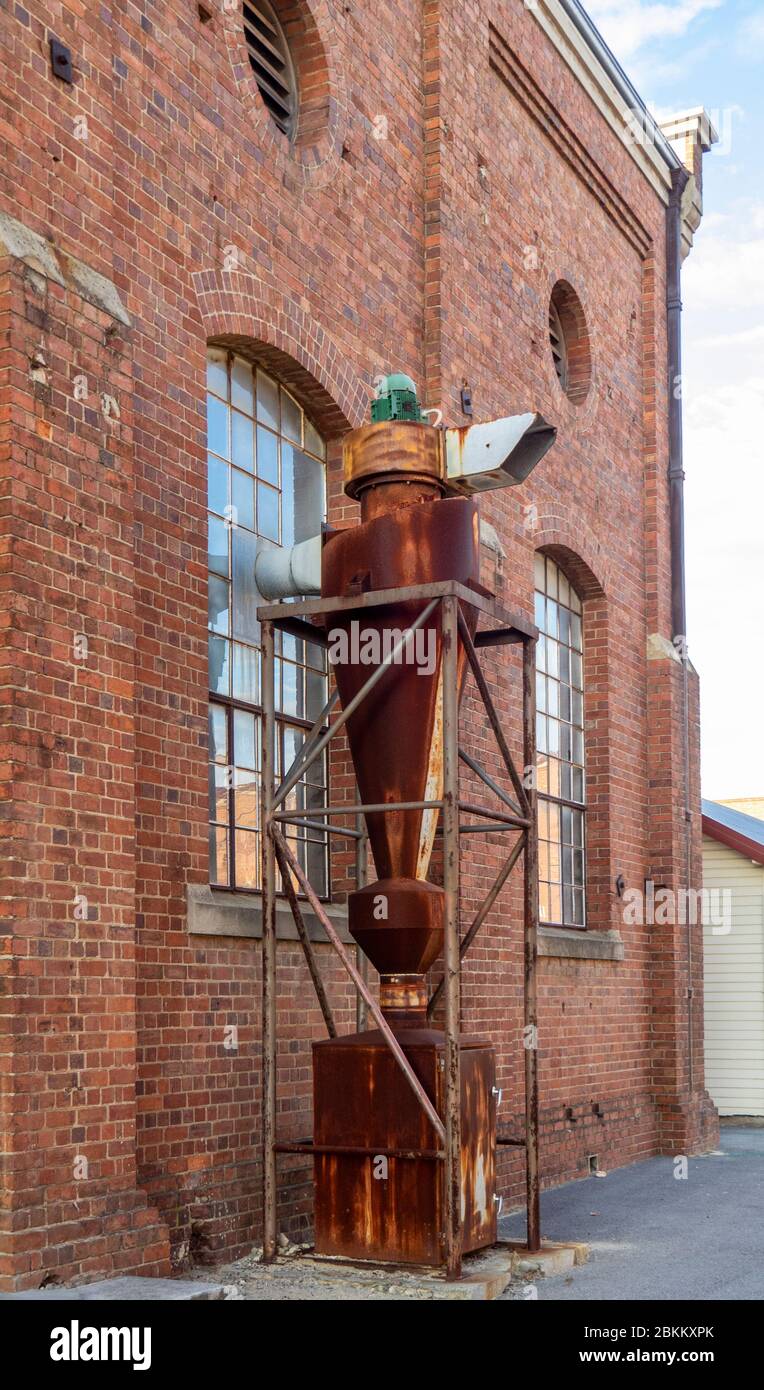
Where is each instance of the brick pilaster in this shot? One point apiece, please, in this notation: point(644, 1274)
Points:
point(71, 1202)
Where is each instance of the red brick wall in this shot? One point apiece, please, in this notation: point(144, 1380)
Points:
point(422, 226)
point(71, 1199)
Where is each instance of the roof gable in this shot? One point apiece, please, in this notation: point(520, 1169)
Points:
point(734, 829)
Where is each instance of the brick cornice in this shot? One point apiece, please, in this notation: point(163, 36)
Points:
point(523, 86)
point(626, 117)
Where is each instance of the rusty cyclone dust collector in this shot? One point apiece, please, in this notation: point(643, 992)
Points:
point(419, 525)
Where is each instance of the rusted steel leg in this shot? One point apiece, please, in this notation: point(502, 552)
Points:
point(452, 1167)
point(490, 710)
point(480, 916)
point(305, 754)
point(361, 862)
point(480, 772)
point(269, 949)
point(376, 676)
point(489, 813)
point(305, 941)
point(531, 896)
point(362, 987)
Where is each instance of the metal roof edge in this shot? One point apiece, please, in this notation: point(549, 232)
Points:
point(726, 834)
point(594, 40)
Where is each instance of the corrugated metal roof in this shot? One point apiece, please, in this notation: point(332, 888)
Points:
point(735, 829)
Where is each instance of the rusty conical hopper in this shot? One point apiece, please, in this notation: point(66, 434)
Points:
point(409, 535)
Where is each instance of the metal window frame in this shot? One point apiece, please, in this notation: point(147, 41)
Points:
point(231, 702)
point(450, 598)
point(548, 797)
point(283, 721)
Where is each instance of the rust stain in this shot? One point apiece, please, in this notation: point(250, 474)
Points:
point(368, 1205)
point(361, 1100)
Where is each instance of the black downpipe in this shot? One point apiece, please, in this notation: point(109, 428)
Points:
point(679, 179)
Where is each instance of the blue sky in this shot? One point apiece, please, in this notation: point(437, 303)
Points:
point(682, 54)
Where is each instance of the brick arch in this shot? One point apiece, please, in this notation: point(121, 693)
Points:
point(285, 337)
point(566, 540)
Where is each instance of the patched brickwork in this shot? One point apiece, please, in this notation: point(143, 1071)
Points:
point(421, 222)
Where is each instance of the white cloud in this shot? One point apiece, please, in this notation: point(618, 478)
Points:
point(746, 337)
point(723, 389)
point(629, 25)
point(727, 274)
point(726, 268)
point(655, 71)
point(750, 36)
point(713, 220)
point(725, 604)
point(724, 463)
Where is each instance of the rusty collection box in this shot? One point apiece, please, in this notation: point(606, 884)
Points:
point(369, 1206)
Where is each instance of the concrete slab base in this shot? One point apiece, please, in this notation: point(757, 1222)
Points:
point(307, 1277)
point(131, 1287)
point(552, 1258)
point(298, 1275)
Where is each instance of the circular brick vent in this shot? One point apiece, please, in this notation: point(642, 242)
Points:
point(271, 63)
point(569, 342)
point(289, 63)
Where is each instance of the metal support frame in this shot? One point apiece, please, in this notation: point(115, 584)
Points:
point(518, 813)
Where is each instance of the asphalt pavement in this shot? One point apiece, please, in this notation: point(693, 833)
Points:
point(654, 1235)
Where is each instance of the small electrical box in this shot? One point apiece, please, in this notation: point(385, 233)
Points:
point(61, 61)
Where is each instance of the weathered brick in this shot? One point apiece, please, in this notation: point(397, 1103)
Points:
point(356, 254)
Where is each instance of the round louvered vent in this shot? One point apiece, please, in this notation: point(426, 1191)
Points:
point(271, 63)
point(557, 343)
point(569, 342)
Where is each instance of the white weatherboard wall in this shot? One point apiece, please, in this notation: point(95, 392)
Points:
point(734, 985)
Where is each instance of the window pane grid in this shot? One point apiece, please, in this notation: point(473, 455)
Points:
point(235, 787)
point(560, 748)
point(266, 481)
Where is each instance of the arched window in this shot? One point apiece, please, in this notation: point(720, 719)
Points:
point(266, 480)
point(560, 748)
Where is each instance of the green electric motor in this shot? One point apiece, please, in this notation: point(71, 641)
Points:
point(396, 399)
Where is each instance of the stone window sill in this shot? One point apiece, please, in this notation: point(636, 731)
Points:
point(580, 945)
point(240, 915)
